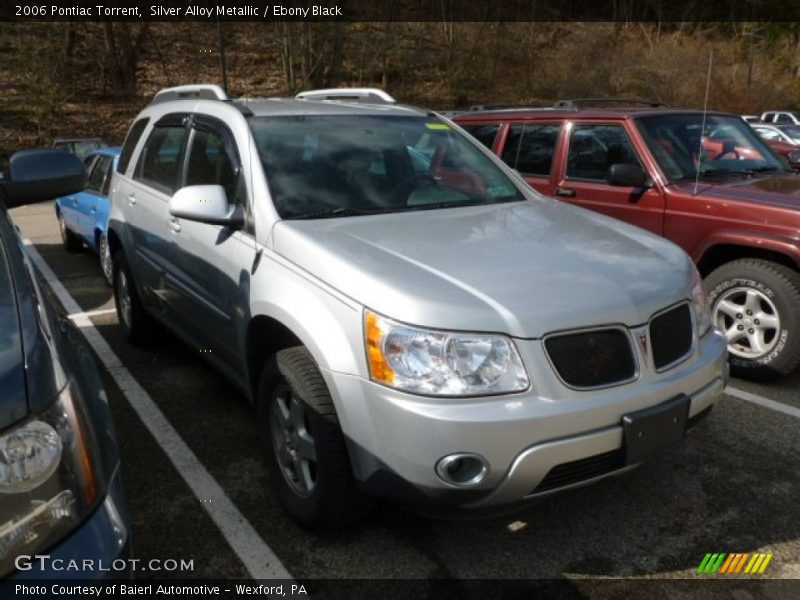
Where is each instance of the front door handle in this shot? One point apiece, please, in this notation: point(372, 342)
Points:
point(131, 199)
point(565, 192)
point(174, 226)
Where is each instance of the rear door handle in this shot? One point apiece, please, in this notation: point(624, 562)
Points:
point(174, 226)
point(565, 192)
point(131, 199)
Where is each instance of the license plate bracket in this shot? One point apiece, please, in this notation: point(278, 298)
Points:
point(654, 429)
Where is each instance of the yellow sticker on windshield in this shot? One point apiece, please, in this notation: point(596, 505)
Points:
point(440, 126)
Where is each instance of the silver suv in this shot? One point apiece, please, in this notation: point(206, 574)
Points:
point(409, 318)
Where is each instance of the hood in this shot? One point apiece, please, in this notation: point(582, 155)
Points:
point(779, 190)
point(13, 399)
point(523, 268)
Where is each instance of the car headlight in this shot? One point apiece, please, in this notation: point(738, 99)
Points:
point(441, 363)
point(702, 309)
point(49, 479)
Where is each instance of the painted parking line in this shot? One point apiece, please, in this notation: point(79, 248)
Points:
point(81, 316)
point(257, 557)
point(780, 407)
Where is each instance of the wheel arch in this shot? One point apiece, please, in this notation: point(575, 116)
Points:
point(723, 251)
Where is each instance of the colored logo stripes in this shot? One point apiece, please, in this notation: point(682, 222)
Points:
point(729, 564)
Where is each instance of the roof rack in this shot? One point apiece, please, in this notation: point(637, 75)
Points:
point(601, 102)
point(201, 91)
point(366, 95)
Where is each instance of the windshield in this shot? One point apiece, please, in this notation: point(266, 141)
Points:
point(727, 146)
point(320, 166)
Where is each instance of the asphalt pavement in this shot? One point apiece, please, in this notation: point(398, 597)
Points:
point(733, 486)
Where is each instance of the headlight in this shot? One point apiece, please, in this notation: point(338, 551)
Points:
point(702, 310)
point(441, 363)
point(48, 479)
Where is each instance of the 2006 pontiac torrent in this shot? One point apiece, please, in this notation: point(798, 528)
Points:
point(409, 318)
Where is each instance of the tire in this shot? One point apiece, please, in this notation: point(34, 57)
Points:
point(306, 450)
point(106, 261)
point(134, 320)
point(71, 242)
point(759, 349)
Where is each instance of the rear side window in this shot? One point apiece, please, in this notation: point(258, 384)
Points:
point(594, 148)
point(160, 162)
point(130, 143)
point(485, 134)
point(530, 148)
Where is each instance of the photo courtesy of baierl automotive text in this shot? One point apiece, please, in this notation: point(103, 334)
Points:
point(399, 299)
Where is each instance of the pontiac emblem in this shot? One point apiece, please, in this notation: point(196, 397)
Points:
point(643, 345)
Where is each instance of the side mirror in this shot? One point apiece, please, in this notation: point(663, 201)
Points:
point(626, 175)
point(205, 204)
point(39, 175)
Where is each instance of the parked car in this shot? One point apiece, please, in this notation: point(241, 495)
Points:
point(59, 465)
point(83, 216)
point(718, 192)
point(409, 319)
point(781, 117)
point(80, 147)
point(778, 132)
point(781, 142)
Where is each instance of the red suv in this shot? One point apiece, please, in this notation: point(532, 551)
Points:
point(706, 182)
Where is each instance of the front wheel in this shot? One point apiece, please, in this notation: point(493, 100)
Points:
point(305, 446)
point(756, 303)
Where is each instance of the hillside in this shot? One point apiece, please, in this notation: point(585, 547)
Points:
point(88, 79)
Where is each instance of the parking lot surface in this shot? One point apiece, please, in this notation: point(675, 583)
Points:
point(732, 487)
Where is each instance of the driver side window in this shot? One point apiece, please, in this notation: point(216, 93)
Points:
point(593, 148)
point(210, 164)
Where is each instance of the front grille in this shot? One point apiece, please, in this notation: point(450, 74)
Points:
point(671, 336)
point(592, 359)
point(581, 470)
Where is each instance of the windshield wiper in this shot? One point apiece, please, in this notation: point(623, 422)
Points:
point(470, 202)
point(343, 211)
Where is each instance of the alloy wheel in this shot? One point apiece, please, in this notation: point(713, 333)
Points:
point(749, 320)
point(292, 443)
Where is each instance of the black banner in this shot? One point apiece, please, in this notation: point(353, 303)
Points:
point(400, 10)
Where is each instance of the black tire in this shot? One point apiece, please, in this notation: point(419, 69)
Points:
point(106, 260)
point(333, 499)
point(768, 347)
point(71, 242)
point(132, 316)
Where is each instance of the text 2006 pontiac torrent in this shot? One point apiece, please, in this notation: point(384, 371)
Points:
point(408, 317)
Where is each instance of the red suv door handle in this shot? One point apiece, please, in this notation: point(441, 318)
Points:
point(565, 192)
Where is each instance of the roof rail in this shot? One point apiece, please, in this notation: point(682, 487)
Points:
point(200, 91)
point(367, 95)
point(600, 102)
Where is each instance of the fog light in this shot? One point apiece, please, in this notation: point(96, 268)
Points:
point(462, 469)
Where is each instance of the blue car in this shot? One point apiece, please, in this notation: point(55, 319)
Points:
point(62, 510)
point(83, 216)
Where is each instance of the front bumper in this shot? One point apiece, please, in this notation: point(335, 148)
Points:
point(395, 439)
point(98, 549)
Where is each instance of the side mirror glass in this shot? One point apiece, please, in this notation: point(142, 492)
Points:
point(627, 175)
point(39, 175)
point(205, 204)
